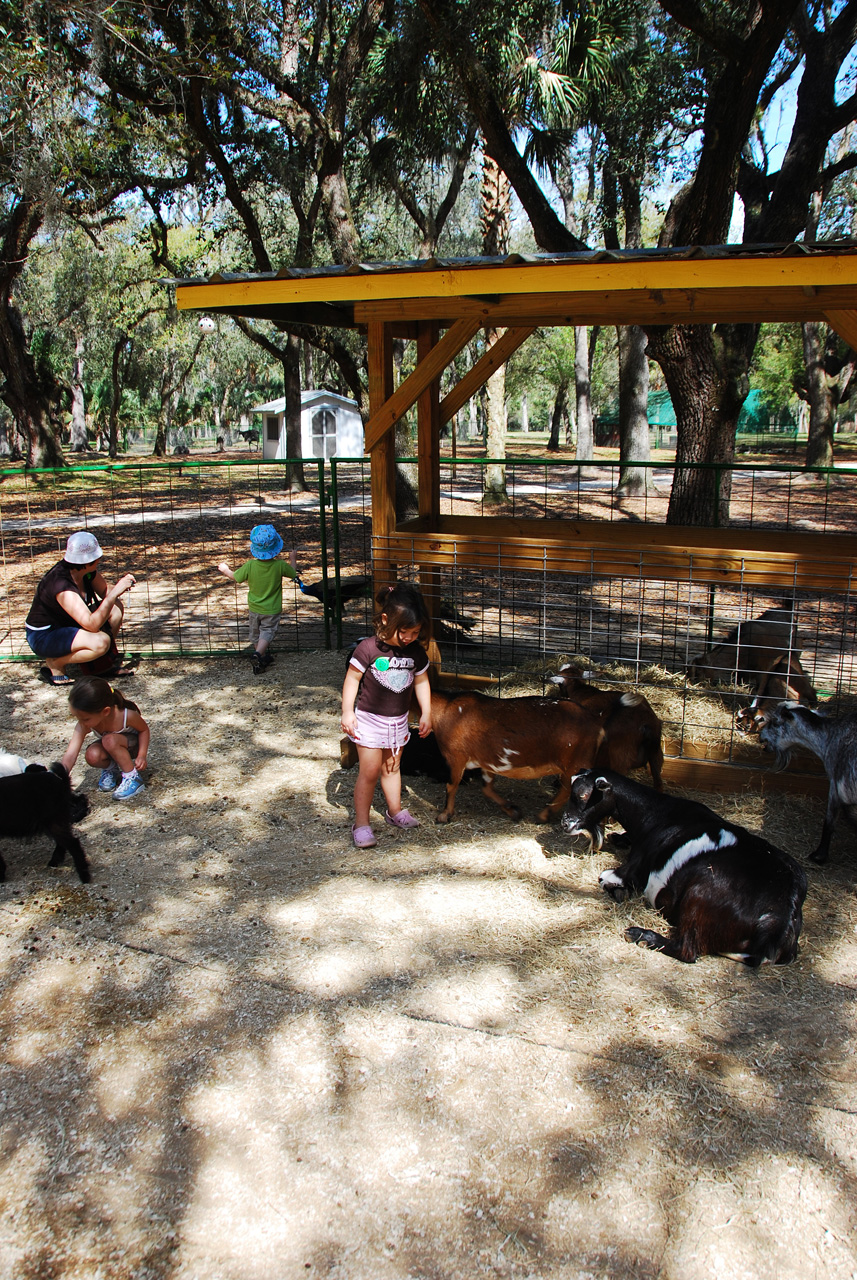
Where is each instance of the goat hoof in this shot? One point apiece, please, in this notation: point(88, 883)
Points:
point(642, 938)
point(818, 855)
point(441, 817)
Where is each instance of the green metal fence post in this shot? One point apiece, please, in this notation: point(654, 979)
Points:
point(322, 533)
point(334, 515)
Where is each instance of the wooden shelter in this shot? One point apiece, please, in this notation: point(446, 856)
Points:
point(442, 304)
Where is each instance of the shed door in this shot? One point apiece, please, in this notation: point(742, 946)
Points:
point(323, 434)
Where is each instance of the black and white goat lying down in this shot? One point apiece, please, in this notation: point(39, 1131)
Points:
point(723, 890)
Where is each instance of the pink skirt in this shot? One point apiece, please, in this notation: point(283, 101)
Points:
point(386, 732)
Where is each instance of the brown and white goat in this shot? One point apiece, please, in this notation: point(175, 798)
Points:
point(515, 737)
point(724, 890)
point(752, 651)
point(633, 731)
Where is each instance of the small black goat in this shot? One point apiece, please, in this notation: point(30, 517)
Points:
point(835, 744)
point(723, 890)
point(42, 800)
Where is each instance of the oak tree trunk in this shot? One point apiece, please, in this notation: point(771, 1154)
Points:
point(693, 369)
point(295, 480)
point(79, 440)
point(820, 395)
point(633, 412)
point(556, 418)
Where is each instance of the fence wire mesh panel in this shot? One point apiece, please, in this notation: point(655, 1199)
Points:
point(518, 626)
point(760, 496)
point(170, 525)
point(509, 609)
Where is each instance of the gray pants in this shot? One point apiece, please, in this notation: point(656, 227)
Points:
point(263, 626)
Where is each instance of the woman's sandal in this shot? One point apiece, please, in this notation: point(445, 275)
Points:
point(47, 677)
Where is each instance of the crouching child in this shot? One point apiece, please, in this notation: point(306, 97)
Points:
point(122, 736)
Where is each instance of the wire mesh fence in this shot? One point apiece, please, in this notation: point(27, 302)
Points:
point(171, 524)
point(762, 496)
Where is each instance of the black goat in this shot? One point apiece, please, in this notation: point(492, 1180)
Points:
point(42, 800)
point(835, 744)
point(357, 587)
point(723, 890)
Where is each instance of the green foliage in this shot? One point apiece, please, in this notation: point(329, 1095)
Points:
point(778, 364)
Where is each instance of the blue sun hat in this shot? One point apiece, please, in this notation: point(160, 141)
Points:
point(265, 542)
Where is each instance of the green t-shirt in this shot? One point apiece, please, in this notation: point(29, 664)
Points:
point(265, 580)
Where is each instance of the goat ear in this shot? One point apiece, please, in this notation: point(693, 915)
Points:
point(603, 784)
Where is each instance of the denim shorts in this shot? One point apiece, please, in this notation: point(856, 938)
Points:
point(53, 642)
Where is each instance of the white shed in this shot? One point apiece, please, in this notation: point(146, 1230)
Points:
point(330, 424)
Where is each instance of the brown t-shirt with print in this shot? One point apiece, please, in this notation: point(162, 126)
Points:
point(388, 676)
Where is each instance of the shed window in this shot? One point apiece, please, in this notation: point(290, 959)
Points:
point(272, 428)
point(323, 434)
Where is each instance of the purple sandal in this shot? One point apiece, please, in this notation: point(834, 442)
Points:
point(403, 820)
point(363, 837)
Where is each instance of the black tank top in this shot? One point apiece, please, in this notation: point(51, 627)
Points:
point(44, 611)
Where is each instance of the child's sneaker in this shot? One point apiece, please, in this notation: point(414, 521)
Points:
point(129, 786)
point(261, 662)
point(110, 778)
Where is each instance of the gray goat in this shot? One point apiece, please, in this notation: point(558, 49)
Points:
point(835, 744)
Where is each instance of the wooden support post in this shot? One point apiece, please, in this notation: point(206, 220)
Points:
point(383, 456)
point(428, 425)
point(428, 454)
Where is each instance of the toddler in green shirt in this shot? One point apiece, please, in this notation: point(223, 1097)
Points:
point(264, 575)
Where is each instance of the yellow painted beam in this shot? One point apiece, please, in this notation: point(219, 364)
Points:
point(407, 394)
point(496, 355)
point(746, 274)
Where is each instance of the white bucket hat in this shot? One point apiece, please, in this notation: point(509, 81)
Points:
point(82, 548)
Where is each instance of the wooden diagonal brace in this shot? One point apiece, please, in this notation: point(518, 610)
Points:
point(429, 368)
point(495, 356)
point(845, 324)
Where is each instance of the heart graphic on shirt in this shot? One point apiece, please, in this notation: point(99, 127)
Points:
point(396, 679)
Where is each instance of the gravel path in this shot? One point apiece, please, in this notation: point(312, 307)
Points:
point(248, 1051)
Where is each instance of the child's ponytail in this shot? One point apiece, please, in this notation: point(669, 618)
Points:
point(91, 694)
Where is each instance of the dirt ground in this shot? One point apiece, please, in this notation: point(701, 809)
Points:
point(248, 1051)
